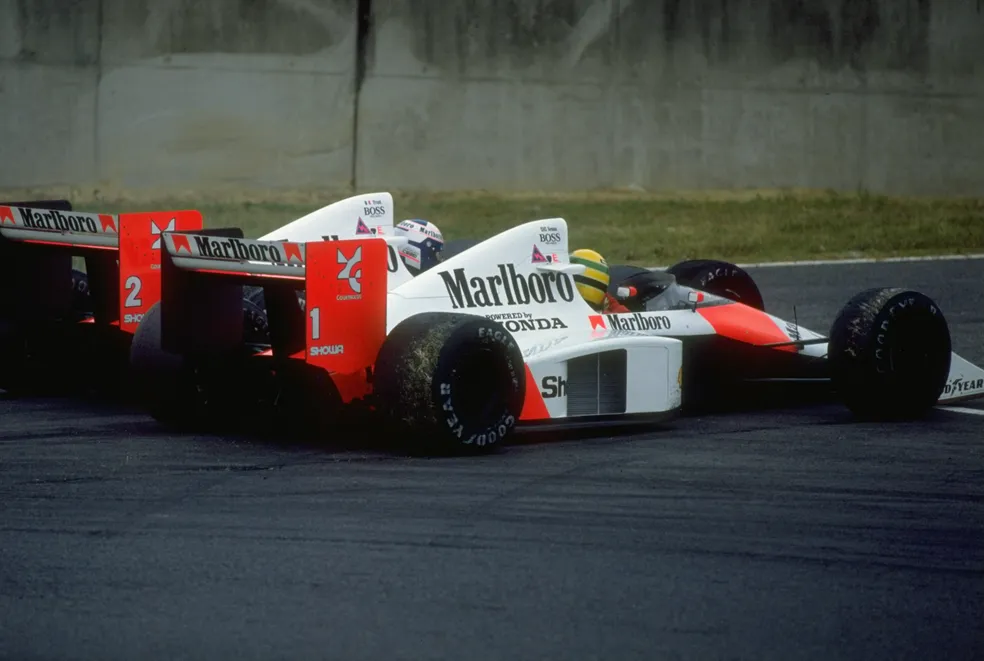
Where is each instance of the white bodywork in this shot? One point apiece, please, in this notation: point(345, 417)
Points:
point(684, 312)
point(651, 376)
point(369, 214)
point(575, 327)
point(637, 357)
point(552, 332)
point(571, 371)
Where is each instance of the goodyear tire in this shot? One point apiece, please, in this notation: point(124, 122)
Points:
point(450, 383)
point(719, 278)
point(889, 353)
point(164, 383)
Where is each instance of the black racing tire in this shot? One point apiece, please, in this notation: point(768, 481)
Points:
point(450, 383)
point(183, 394)
point(719, 278)
point(164, 383)
point(889, 354)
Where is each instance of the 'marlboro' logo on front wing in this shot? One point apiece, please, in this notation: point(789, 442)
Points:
point(52, 220)
point(231, 248)
point(506, 288)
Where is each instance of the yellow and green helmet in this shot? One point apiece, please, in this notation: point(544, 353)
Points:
point(593, 283)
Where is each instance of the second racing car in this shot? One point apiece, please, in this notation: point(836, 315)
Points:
point(61, 325)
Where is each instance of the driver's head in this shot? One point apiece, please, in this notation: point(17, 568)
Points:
point(593, 283)
point(425, 244)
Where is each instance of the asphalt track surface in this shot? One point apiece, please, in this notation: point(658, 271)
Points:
point(774, 534)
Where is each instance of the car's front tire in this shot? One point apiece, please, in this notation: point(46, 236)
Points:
point(890, 353)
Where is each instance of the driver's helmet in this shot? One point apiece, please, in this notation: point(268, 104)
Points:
point(593, 283)
point(425, 244)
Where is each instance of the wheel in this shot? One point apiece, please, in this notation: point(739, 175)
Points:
point(719, 278)
point(889, 353)
point(48, 358)
point(202, 394)
point(450, 383)
point(164, 383)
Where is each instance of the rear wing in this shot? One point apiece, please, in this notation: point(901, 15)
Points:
point(339, 327)
point(38, 240)
point(59, 226)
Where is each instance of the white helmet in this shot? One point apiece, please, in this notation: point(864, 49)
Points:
point(425, 244)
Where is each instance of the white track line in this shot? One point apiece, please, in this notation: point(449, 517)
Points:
point(844, 262)
point(961, 409)
point(868, 260)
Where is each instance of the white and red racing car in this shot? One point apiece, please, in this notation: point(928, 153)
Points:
point(497, 336)
point(56, 320)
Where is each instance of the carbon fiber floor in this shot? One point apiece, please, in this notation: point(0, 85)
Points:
point(773, 534)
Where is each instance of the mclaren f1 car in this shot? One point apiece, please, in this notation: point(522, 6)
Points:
point(497, 337)
point(56, 319)
point(450, 360)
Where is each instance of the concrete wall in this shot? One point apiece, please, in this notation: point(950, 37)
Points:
point(882, 94)
point(886, 95)
point(177, 93)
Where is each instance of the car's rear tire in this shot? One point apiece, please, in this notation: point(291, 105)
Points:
point(63, 355)
point(222, 391)
point(719, 278)
point(889, 353)
point(450, 383)
point(165, 384)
